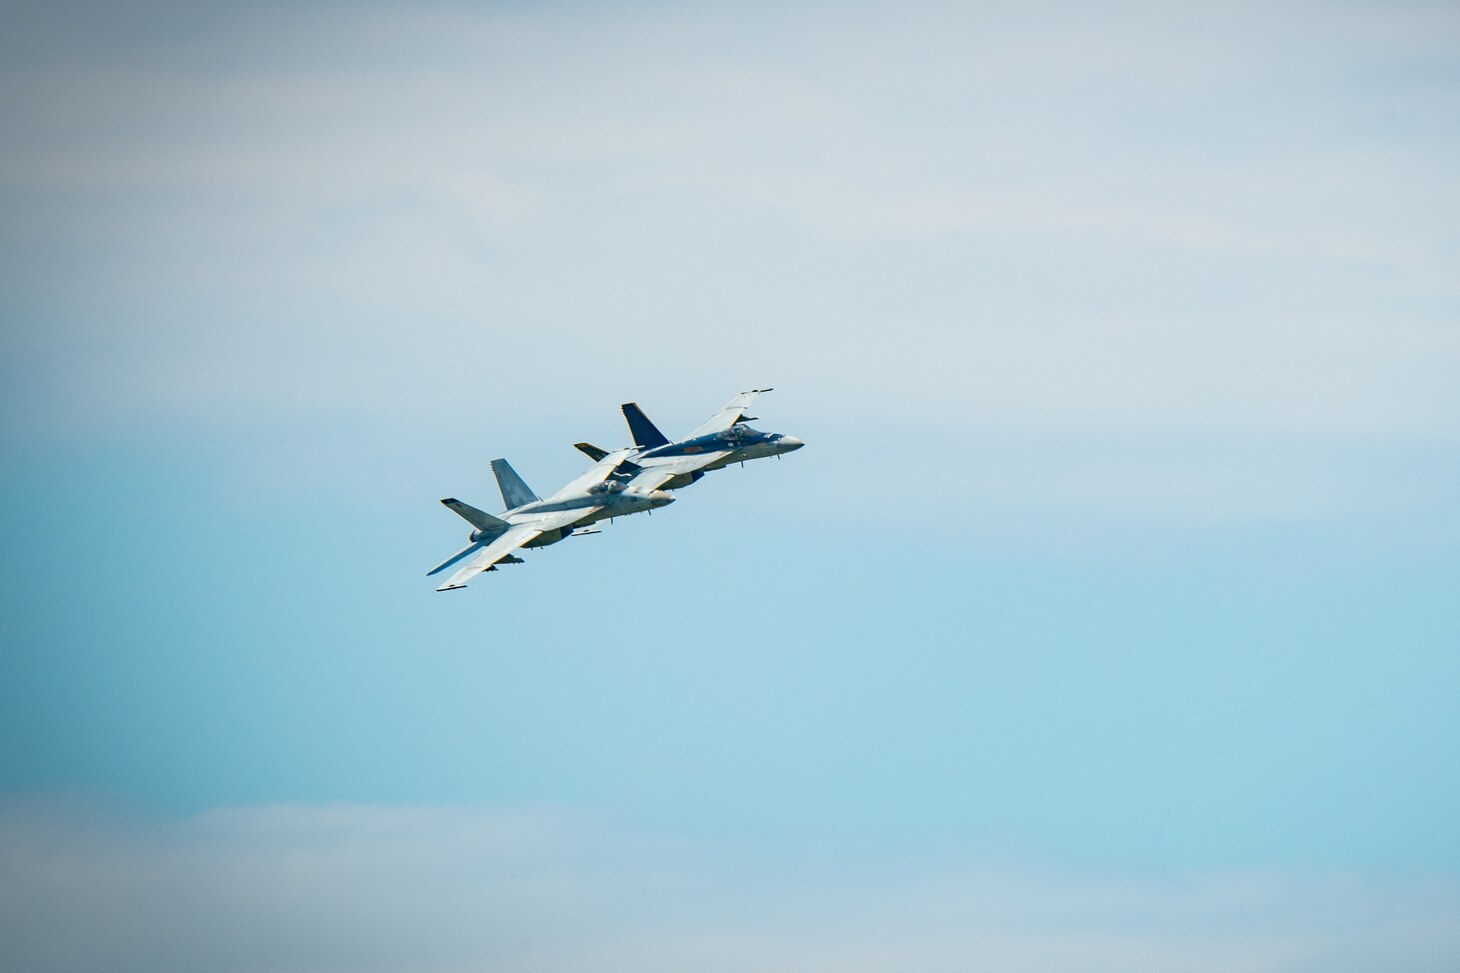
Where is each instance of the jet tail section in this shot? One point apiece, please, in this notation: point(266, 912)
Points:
point(515, 493)
point(646, 434)
point(479, 519)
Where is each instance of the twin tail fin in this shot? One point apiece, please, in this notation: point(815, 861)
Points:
point(646, 434)
point(515, 493)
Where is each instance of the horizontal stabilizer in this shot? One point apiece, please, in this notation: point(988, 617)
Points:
point(591, 451)
point(479, 519)
point(646, 434)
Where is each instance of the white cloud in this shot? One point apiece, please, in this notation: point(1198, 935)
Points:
point(1170, 225)
point(432, 890)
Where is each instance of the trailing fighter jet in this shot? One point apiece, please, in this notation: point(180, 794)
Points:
point(529, 521)
point(719, 441)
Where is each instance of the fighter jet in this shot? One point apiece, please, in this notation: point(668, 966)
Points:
point(529, 521)
point(719, 441)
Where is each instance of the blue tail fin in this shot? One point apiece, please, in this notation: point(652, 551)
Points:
point(515, 493)
point(646, 434)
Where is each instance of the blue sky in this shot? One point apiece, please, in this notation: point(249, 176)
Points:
point(1106, 622)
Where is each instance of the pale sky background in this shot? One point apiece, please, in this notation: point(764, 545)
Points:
point(1108, 621)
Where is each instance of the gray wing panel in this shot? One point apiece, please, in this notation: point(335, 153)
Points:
point(675, 465)
point(597, 473)
point(552, 520)
point(651, 480)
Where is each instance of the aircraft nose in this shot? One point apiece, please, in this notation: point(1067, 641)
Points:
point(788, 443)
point(659, 498)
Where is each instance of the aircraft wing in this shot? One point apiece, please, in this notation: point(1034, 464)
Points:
point(659, 471)
point(732, 412)
point(596, 473)
point(553, 519)
point(515, 537)
point(650, 480)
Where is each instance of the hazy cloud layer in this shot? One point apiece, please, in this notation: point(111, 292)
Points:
point(1045, 219)
point(1193, 261)
point(432, 890)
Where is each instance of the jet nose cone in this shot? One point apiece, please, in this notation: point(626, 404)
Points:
point(660, 498)
point(789, 443)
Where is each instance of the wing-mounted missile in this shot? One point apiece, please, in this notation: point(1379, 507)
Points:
point(509, 559)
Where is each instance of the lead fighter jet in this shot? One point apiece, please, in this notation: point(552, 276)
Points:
point(529, 521)
point(719, 441)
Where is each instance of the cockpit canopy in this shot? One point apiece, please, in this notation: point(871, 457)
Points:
point(607, 486)
point(738, 433)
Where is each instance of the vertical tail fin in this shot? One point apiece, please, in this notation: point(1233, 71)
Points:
point(515, 493)
point(645, 433)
